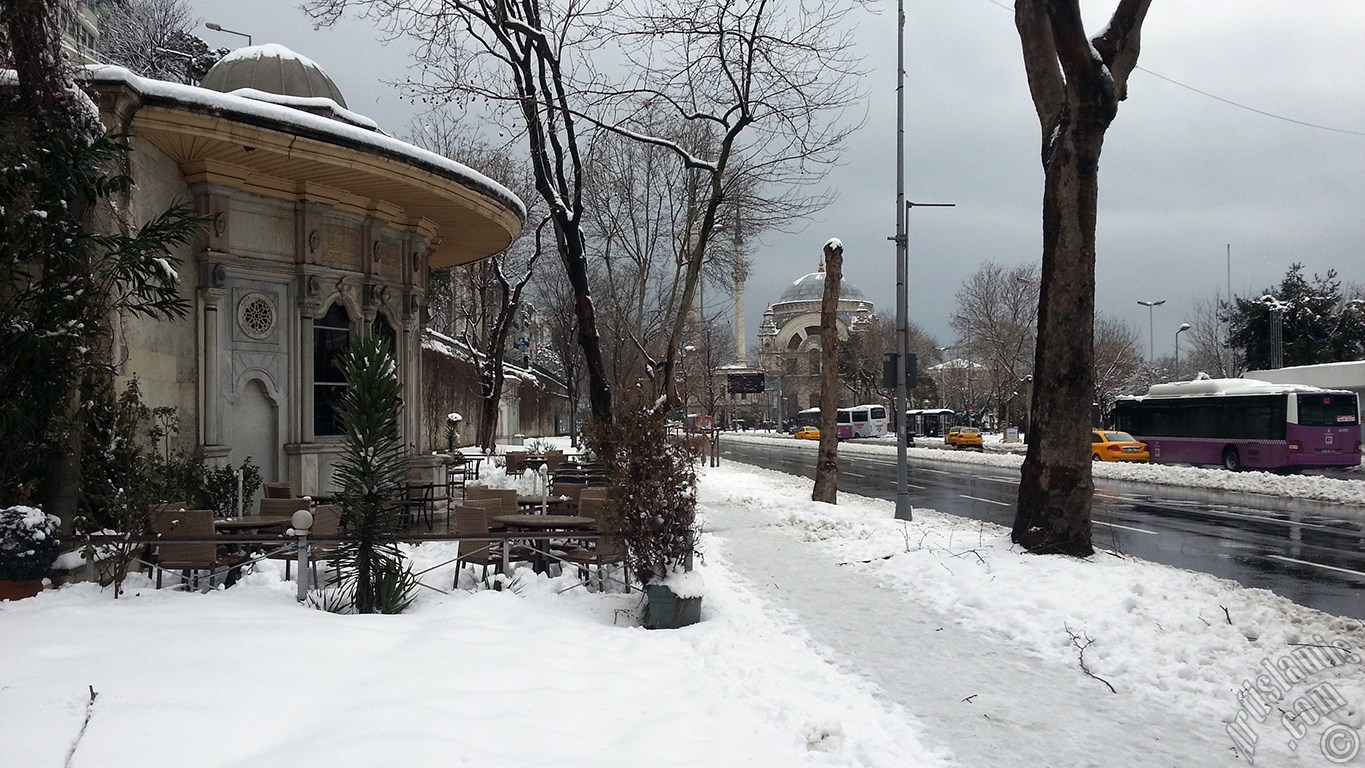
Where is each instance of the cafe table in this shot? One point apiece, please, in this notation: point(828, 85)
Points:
point(535, 503)
point(249, 523)
point(540, 524)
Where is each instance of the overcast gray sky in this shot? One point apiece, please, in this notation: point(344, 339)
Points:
point(1183, 175)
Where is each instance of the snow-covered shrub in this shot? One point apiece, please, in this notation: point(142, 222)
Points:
point(28, 543)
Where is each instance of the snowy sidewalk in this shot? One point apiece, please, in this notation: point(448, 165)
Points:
point(991, 704)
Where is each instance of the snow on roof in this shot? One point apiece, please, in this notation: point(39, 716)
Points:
point(460, 349)
point(1204, 387)
point(318, 105)
point(298, 122)
point(269, 51)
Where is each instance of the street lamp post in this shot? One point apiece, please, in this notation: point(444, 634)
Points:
point(942, 358)
point(1151, 344)
point(1183, 327)
point(221, 28)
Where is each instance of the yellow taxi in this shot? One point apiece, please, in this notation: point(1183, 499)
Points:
point(808, 433)
point(1112, 445)
point(964, 437)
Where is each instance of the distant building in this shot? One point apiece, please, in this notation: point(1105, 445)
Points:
point(1349, 375)
point(789, 341)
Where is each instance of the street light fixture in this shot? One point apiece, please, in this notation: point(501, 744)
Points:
point(1151, 344)
point(221, 28)
point(1183, 327)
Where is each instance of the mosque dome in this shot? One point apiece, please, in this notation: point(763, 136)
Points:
point(811, 287)
point(272, 68)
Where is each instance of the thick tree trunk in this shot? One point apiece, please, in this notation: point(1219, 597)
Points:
point(1076, 85)
point(1055, 485)
point(827, 460)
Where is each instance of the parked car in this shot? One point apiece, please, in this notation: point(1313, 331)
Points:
point(964, 437)
point(808, 433)
point(1112, 445)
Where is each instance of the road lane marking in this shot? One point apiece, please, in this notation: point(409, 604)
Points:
point(916, 487)
point(1005, 480)
point(988, 501)
point(1125, 527)
point(851, 474)
point(1315, 565)
point(935, 471)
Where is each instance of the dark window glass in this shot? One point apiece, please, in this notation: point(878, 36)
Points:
point(1332, 410)
point(331, 337)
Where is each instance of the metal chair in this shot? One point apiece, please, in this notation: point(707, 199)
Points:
point(418, 503)
point(457, 475)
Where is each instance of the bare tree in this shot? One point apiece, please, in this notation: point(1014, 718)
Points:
point(481, 302)
point(1205, 348)
point(769, 81)
point(1076, 84)
point(860, 360)
point(152, 38)
point(638, 206)
point(995, 316)
point(1118, 359)
point(561, 353)
point(511, 55)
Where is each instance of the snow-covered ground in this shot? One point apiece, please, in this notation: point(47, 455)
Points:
point(831, 636)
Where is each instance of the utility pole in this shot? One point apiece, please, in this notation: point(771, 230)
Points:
point(903, 508)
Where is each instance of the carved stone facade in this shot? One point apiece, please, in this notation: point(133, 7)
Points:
point(317, 229)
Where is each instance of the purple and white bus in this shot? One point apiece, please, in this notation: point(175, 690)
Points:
point(1244, 424)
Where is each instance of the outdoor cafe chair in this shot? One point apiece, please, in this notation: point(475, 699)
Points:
point(191, 558)
point(514, 462)
point(278, 491)
point(418, 503)
point(275, 507)
point(567, 490)
point(458, 474)
point(608, 550)
point(154, 509)
point(507, 497)
point(485, 553)
point(553, 459)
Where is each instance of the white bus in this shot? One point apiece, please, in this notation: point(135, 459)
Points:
point(861, 421)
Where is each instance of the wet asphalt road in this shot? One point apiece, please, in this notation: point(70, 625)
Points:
point(1311, 552)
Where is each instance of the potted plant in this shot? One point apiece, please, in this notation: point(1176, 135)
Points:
point(28, 547)
point(653, 506)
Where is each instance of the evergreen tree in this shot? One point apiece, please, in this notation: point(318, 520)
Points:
point(371, 472)
point(63, 277)
point(1317, 325)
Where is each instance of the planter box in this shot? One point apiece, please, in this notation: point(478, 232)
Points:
point(665, 610)
point(11, 589)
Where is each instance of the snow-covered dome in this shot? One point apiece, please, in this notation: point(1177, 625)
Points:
point(811, 287)
point(271, 68)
